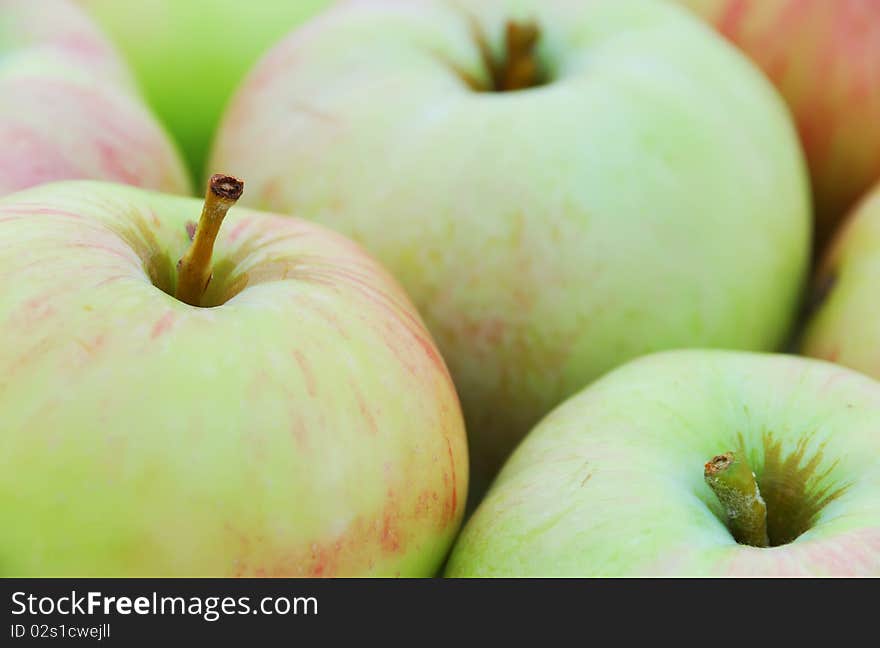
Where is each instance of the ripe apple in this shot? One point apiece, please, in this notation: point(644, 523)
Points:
point(298, 422)
point(844, 325)
point(189, 55)
point(612, 482)
point(56, 31)
point(637, 187)
point(68, 108)
point(822, 56)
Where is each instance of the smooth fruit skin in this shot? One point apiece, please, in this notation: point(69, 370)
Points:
point(844, 325)
point(189, 55)
point(305, 427)
point(68, 108)
point(611, 483)
point(821, 55)
point(652, 196)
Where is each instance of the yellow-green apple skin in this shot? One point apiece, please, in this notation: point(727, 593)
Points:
point(189, 55)
point(303, 424)
point(822, 56)
point(844, 325)
point(652, 195)
point(611, 482)
point(69, 108)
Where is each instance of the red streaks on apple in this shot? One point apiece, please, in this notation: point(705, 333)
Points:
point(163, 325)
point(452, 507)
point(732, 17)
point(237, 230)
point(364, 409)
point(308, 374)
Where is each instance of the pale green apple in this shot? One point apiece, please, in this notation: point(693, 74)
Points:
point(611, 483)
point(69, 108)
point(189, 55)
point(648, 193)
point(822, 56)
point(844, 325)
point(302, 423)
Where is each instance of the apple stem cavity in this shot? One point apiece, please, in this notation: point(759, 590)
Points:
point(733, 482)
point(194, 270)
point(520, 70)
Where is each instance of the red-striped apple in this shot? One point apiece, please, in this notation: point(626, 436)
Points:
point(559, 185)
point(69, 109)
point(292, 419)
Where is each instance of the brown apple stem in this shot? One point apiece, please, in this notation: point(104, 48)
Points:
point(194, 269)
point(520, 68)
point(733, 482)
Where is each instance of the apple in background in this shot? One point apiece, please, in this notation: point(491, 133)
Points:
point(611, 484)
point(844, 325)
point(298, 422)
point(68, 108)
point(189, 55)
point(822, 55)
point(56, 31)
point(557, 197)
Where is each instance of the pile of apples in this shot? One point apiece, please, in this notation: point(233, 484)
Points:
point(548, 265)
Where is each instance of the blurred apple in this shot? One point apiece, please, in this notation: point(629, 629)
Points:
point(189, 55)
point(612, 482)
point(844, 325)
point(560, 186)
point(822, 55)
point(68, 108)
point(297, 422)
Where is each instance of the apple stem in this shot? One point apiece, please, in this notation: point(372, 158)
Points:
point(733, 482)
point(194, 270)
point(520, 68)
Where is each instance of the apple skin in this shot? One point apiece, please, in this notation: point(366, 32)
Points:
point(653, 196)
point(611, 482)
point(821, 56)
point(843, 325)
point(69, 109)
point(305, 427)
point(189, 55)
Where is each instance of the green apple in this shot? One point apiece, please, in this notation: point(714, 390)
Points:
point(844, 325)
point(68, 107)
point(822, 56)
point(189, 55)
point(612, 482)
point(298, 421)
point(642, 190)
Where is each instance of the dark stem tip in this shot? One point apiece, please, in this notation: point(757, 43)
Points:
point(718, 463)
point(228, 187)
